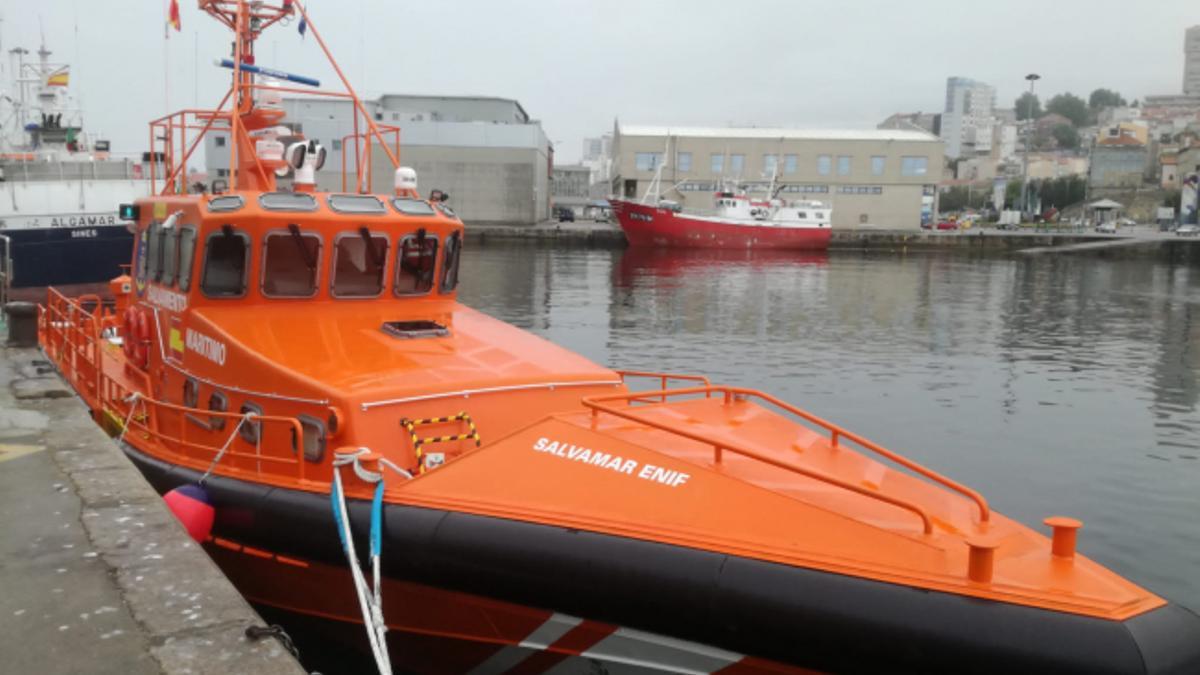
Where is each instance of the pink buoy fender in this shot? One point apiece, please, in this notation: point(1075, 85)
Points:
point(191, 506)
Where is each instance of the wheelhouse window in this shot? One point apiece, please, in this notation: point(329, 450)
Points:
point(154, 252)
point(288, 201)
point(225, 203)
point(358, 262)
point(290, 263)
point(170, 255)
point(187, 255)
point(365, 204)
point(226, 259)
point(415, 262)
point(412, 207)
point(143, 256)
point(450, 262)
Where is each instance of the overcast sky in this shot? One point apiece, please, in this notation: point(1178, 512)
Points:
point(578, 65)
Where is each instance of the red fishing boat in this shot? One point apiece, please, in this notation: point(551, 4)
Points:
point(736, 221)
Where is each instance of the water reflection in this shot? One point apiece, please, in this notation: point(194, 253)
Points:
point(1054, 384)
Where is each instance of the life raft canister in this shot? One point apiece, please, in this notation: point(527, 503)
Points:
point(136, 334)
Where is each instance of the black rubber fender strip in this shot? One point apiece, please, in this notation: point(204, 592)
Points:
point(795, 615)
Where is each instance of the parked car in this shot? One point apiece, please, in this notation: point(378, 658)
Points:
point(1107, 228)
point(947, 225)
point(1187, 230)
point(566, 215)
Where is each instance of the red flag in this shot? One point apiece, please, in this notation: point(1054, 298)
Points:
point(173, 16)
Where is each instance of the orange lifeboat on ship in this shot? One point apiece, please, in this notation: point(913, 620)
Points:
point(304, 360)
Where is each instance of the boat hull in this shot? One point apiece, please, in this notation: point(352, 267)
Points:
point(649, 226)
point(67, 256)
point(729, 605)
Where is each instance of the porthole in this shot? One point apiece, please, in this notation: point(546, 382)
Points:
point(191, 392)
point(313, 440)
point(217, 402)
point(251, 430)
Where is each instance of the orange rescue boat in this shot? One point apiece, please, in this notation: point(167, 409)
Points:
point(297, 361)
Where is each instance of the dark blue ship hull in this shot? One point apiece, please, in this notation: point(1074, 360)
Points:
point(63, 256)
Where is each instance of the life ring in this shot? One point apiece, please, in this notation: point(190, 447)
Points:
point(136, 337)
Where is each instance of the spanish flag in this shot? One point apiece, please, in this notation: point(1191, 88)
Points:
point(173, 16)
point(59, 78)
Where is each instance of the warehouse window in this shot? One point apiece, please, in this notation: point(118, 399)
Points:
point(914, 166)
point(716, 163)
point(843, 165)
point(769, 163)
point(877, 164)
point(824, 164)
point(789, 164)
point(737, 163)
point(684, 161)
point(647, 161)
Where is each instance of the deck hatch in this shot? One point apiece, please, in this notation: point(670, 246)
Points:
point(226, 203)
point(421, 328)
point(361, 204)
point(287, 201)
point(412, 207)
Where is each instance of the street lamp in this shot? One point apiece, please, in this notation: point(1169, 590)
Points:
point(1032, 77)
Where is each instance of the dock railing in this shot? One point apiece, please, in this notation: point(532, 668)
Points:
point(69, 332)
point(836, 435)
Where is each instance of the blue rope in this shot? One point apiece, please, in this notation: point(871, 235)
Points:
point(377, 520)
point(336, 498)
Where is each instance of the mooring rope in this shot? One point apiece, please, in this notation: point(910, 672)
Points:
point(370, 600)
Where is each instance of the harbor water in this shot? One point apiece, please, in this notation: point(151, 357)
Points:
point(1055, 384)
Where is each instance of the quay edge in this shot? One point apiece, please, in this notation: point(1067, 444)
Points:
point(99, 577)
point(609, 235)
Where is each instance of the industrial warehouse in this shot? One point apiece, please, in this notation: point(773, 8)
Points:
point(485, 152)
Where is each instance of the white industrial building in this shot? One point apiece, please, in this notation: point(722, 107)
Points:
point(487, 153)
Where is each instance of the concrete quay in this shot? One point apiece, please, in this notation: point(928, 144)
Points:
point(98, 576)
point(609, 235)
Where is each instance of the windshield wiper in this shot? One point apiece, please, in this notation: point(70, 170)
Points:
point(376, 256)
point(306, 255)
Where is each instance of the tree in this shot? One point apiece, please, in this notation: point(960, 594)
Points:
point(960, 197)
point(1066, 136)
point(1022, 106)
point(1071, 107)
point(1105, 98)
point(1012, 194)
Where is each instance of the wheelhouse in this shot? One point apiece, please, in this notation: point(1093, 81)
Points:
point(288, 246)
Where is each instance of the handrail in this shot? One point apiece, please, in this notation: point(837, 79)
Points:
point(181, 440)
point(835, 431)
point(720, 447)
point(663, 379)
